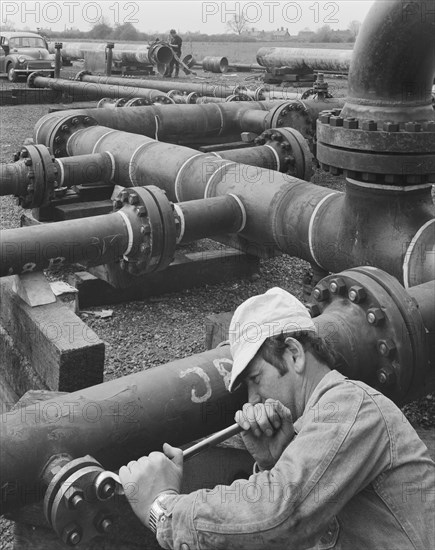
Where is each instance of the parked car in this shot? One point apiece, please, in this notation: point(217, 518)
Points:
point(22, 53)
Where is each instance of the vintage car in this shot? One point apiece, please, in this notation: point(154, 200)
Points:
point(22, 53)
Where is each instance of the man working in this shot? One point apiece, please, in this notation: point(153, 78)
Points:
point(175, 42)
point(350, 472)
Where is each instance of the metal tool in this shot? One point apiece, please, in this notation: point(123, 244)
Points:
point(190, 452)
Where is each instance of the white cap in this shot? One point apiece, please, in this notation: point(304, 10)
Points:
point(261, 317)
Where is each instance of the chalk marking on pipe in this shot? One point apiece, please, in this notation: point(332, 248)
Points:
point(62, 172)
point(311, 227)
point(94, 150)
point(396, 188)
point(222, 119)
point(224, 372)
point(180, 214)
point(278, 163)
point(242, 210)
point(410, 250)
point(129, 231)
point(207, 187)
point(205, 378)
point(156, 134)
point(112, 161)
point(216, 154)
point(131, 162)
point(179, 173)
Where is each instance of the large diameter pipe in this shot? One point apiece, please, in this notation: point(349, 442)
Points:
point(298, 218)
point(397, 86)
point(129, 53)
point(301, 59)
point(117, 421)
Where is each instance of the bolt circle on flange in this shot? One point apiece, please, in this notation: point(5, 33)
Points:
point(153, 228)
point(62, 131)
point(41, 174)
point(292, 149)
point(391, 316)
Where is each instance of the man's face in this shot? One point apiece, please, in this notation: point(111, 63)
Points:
point(264, 381)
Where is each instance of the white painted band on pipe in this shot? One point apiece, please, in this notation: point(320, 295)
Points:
point(311, 227)
point(242, 210)
point(113, 164)
point(179, 174)
point(180, 214)
point(396, 188)
point(62, 171)
point(129, 231)
point(97, 143)
point(222, 120)
point(131, 165)
point(68, 152)
point(278, 163)
point(410, 249)
point(216, 154)
point(210, 179)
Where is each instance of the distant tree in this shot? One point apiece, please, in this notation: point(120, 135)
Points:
point(101, 30)
point(324, 34)
point(8, 25)
point(127, 31)
point(237, 23)
point(354, 27)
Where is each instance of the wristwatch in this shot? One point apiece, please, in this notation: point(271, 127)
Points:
point(158, 511)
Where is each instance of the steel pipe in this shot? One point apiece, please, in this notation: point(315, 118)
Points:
point(215, 64)
point(88, 91)
point(303, 59)
point(184, 400)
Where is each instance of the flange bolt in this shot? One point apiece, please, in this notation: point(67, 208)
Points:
point(375, 316)
point(357, 294)
point(72, 534)
point(386, 376)
point(313, 309)
point(337, 286)
point(320, 293)
point(386, 347)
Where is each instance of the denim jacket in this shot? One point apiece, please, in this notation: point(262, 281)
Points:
point(356, 476)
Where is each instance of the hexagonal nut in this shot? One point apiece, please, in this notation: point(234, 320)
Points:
point(123, 196)
point(336, 121)
point(386, 376)
point(390, 126)
point(72, 534)
point(320, 293)
point(357, 294)
point(369, 125)
point(141, 211)
point(313, 309)
point(337, 286)
point(74, 497)
point(133, 198)
point(412, 127)
point(351, 123)
point(375, 316)
point(386, 347)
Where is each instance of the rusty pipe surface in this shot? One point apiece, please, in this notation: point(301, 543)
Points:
point(393, 65)
point(305, 58)
point(184, 400)
point(88, 91)
point(294, 216)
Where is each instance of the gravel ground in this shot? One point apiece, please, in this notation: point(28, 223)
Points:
point(146, 333)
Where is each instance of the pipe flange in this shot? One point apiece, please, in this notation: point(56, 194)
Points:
point(388, 343)
point(31, 79)
point(283, 114)
point(192, 97)
point(41, 175)
point(292, 149)
point(81, 74)
point(104, 101)
point(238, 97)
point(153, 229)
point(259, 94)
point(63, 130)
point(384, 153)
point(137, 102)
point(121, 102)
point(71, 504)
point(163, 99)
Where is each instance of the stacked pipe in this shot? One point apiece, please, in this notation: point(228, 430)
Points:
point(305, 59)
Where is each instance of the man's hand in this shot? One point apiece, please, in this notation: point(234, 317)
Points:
point(268, 430)
point(144, 479)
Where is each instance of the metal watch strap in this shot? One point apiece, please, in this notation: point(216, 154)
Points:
point(157, 511)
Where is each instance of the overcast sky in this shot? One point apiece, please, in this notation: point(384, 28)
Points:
point(204, 16)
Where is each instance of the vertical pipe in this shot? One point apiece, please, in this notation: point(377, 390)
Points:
point(109, 57)
point(57, 59)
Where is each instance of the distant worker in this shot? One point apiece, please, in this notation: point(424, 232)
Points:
point(175, 42)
